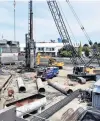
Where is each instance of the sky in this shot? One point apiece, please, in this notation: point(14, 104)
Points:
point(44, 27)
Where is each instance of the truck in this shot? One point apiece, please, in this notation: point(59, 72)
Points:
point(47, 72)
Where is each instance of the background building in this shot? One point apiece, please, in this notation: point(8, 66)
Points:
point(50, 48)
point(9, 51)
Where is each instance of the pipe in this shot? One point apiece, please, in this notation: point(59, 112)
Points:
point(67, 114)
point(60, 88)
point(40, 85)
point(75, 116)
point(21, 85)
point(56, 107)
point(82, 80)
point(27, 108)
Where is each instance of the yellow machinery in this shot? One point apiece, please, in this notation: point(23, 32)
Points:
point(86, 72)
point(79, 70)
point(54, 62)
point(48, 60)
point(90, 70)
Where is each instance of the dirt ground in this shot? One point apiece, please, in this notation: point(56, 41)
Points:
point(51, 94)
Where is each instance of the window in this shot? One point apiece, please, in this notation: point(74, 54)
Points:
point(53, 49)
point(49, 49)
point(40, 49)
point(6, 50)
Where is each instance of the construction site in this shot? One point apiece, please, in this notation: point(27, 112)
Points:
point(43, 88)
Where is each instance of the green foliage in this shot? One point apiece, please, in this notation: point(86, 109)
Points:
point(85, 45)
point(66, 53)
point(98, 44)
point(86, 50)
point(91, 43)
point(80, 50)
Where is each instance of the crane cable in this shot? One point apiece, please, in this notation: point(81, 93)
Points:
point(82, 28)
point(67, 22)
point(70, 30)
point(79, 22)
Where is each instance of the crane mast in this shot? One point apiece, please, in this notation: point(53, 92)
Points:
point(30, 21)
point(61, 27)
point(27, 51)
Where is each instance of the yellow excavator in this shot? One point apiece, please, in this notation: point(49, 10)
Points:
point(48, 61)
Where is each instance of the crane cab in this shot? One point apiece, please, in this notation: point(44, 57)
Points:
point(78, 70)
point(82, 70)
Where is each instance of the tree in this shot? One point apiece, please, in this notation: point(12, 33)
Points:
point(95, 45)
point(91, 43)
point(87, 52)
point(98, 44)
point(66, 53)
point(85, 45)
point(86, 49)
point(80, 50)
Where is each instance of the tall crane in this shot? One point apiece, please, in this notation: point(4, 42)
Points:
point(63, 32)
point(30, 44)
point(78, 70)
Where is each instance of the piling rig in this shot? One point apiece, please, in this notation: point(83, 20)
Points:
point(30, 43)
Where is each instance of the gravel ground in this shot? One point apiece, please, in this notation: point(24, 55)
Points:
point(51, 94)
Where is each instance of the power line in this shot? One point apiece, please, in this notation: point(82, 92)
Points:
point(79, 22)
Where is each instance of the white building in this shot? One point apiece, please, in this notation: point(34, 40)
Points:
point(50, 48)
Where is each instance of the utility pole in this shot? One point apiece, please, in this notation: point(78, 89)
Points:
point(2, 36)
point(14, 22)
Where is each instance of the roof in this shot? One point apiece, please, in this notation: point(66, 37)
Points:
point(97, 86)
point(51, 44)
point(97, 83)
point(97, 77)
point(96, 89)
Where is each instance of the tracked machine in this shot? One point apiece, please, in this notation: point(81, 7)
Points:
point(81, 69)
point(48, 61)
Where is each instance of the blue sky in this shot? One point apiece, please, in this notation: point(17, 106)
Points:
point(44, 27)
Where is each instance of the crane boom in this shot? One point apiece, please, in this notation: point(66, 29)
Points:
point(95, 53)
point(61, 27)
point(59, 21)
